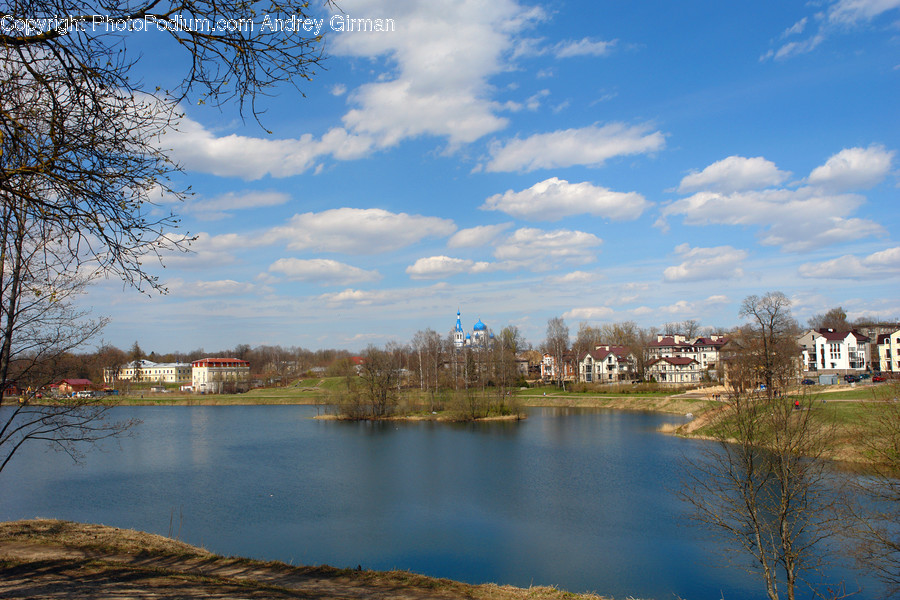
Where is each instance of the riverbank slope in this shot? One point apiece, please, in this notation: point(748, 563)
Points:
point(59, 559)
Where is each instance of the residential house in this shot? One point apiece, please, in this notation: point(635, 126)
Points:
point(220, 375)
point(706, 351)
point(606, 364)
point(66, 387)
point(827, 350)
point(889, 352)
point(675, 369)
point(549, 369)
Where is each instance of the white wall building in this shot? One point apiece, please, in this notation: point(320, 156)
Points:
point(827, 350)
point(149, 371)
point(220, 375)
point(889, 352)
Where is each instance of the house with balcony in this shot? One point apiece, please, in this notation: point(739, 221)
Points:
point(675, 369)
point(606, 364)
point(706, 351)
point(826, 351)
point(889, 353)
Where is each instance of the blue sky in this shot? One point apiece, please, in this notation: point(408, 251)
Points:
point(601, 161)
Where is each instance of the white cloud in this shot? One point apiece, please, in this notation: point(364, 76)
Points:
point(359, 297)
point(854, 168)
point(853, 11)
point(590, 146)
point(839, 17)
point(592, 313)
point(699, 264)
point(219, 207)
point(198, 149)
point(210, 250)
point(223, 287)
point(795, 219)
point(359, 231)
point(734, 174)
point(338, 89)
point(573, 278)
point(583, 47)
point(474, 237)
point(878, 265)
point(445, 54)
point(687, 308)
point(541, 250)
point(554, 199)
point(322, 271)
point(439, 267)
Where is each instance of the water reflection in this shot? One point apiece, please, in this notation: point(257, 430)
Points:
point(577, 498)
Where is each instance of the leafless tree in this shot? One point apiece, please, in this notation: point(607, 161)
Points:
point(769, 343)
point(877, 517)
point(835, 319)
point(556, 344)
point(82, 151)
point(588, 338)
point(764, 486)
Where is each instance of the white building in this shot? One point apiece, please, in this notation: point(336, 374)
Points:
point(675, 369)
point(706, 351)
point(606, 364)
point(889, 352)
point(148, 371)
point(220, 375)
point(827, 350)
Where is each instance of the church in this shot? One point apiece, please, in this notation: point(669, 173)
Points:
point(477, 339)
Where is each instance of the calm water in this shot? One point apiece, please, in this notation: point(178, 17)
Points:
point(581, 499)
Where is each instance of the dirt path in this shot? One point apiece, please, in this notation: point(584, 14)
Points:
point(57, 559)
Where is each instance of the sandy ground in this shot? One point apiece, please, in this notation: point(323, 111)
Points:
point(49, 559)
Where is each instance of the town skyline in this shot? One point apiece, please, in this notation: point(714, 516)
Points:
point(521, 162)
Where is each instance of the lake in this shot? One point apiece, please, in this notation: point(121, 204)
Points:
point(583, 499)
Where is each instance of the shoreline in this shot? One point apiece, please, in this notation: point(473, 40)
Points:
point(81, 561)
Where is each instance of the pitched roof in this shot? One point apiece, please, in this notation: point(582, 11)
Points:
point(834, 336)
point(674, 360)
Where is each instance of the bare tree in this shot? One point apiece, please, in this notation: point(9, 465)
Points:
point(587, 339)
point(764, 485)
point(82, 156)
point(380, 376)
point(556, 345)
point(770, 345)
point(876, 519)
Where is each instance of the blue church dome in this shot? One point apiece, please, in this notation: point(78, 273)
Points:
point(479, 326)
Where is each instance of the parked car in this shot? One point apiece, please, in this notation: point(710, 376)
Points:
point(878, 378)
point(864, 376)
point(808, 382)
point(851, 378)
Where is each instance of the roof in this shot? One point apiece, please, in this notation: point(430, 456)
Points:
point(75, 382)
point(674, 360)
point(835, 336)
point(220, 362)
point(479, 326)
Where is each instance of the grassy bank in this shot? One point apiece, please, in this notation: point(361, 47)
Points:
point(60, 559)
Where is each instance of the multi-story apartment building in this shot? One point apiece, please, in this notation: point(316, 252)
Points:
point(830, 351)
point(706, 351)
point(606, 364)
point(889, 352)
